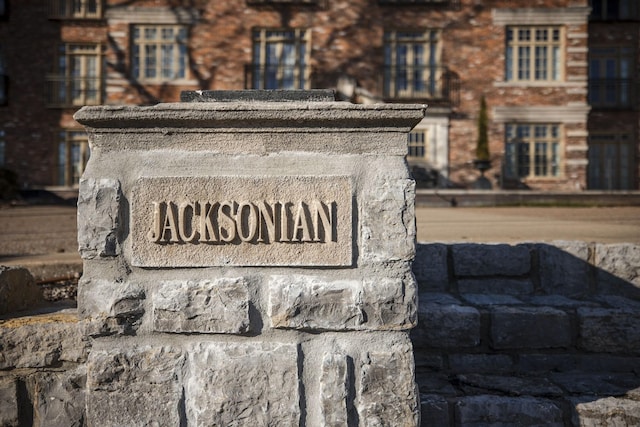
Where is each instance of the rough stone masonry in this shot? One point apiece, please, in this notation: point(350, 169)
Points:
point(247, 261)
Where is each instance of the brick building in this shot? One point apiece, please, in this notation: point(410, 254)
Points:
point(551, 126)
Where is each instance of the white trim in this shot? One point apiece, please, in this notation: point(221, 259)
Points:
point(152, 15)
point(542, 114)
point(541, 16)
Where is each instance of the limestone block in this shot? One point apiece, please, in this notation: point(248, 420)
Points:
point(243, 384)
point(607, 330)
point(509, 385)
point(490, 260)
point(388, 230)
point(18, 290)
point(431, 267)
point(334, 390)
point(564, 268)
point(446, 325)
point(135, 385)
point(311, 302)
point(98, 217)
point(317, 303)
point(529, 327)
point(8, 403)
point(434, 411)
point(59, 397)
point(486, 410)
point(496, 285)
point(390, 303)
point(609, 411)
point(40, 341)
point(481, 363)
point(388, 394)
point(618, 268)
point(206, 306)
point(111, 307)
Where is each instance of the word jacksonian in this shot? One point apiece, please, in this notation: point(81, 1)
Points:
point(255, 221)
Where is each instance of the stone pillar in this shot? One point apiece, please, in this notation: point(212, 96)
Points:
point(247, 261)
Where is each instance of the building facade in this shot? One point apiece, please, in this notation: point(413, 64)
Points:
point(559, 76)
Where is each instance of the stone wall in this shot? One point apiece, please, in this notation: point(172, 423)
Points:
point(533, 334)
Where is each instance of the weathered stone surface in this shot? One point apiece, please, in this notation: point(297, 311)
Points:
point(434, 411)
point(390, 303)
point(43, 340)
point(609, 330)
point(431, 267)
point(618, 268)
point(207, 306)
point(388, 229)
point(312, 302)
point(596, 383)
point(509, 385)
point(99, 217)
point(446, 325)
point(496, 286)
point(489, 410)
point(111, 307)
point(244, 221)
point(59, 398)
point(313, 95)
point(387, 392)
point(607, 412)
point(490, 260)
point(564, 268)
point(8, 403)
point(18, 290)
point(491, 299)
point(243, 384)
point(135, 385)
point(334, 390)
point(529, 327)
point(481, 363)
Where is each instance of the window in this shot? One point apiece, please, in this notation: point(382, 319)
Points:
point(611, 162)
point(610, 77)
point(614, 10)
point(532, 151)
point(417, 145)
point(78, 76)
point(280, 59)
point(73, 155)
point(412, 64)
point(3, 150)
point(533, 54)
point(75, 9)
point(4, 80)
point(159, 53)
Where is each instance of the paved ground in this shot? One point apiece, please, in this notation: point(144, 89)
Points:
point(40, 233)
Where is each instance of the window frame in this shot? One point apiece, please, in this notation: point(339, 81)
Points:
point(261, 39)
point(76, 9)
point(520, 144)
point(417, 141)
point(621, 87)
point(67, 89)
point(179, 64)
point(431, 84)
point(623, 161)
point(69, 171)
point(555, 67)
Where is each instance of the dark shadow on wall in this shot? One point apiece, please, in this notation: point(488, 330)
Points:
point(532, 334)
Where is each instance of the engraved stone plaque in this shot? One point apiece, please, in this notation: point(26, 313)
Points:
point(241, 221)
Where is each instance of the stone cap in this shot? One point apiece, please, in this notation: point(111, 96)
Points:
point(314, 95)
point(255, 115)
